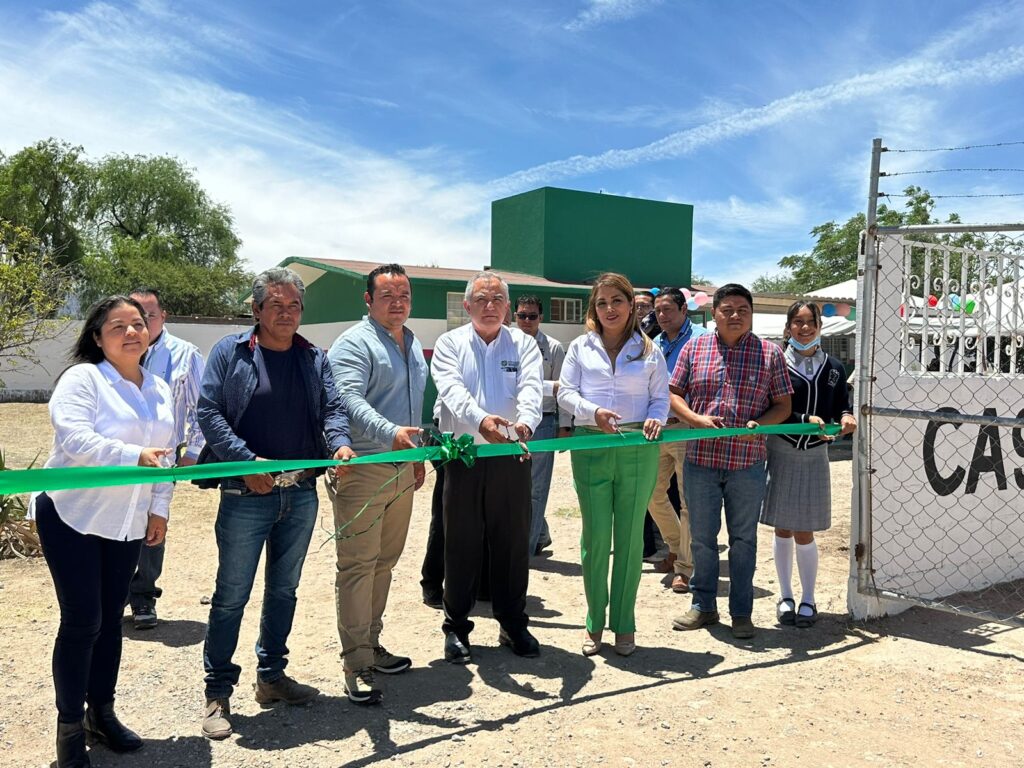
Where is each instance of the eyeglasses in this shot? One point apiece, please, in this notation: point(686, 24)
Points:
point(527, 315)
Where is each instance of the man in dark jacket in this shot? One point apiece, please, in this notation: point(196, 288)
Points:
point(266, 394)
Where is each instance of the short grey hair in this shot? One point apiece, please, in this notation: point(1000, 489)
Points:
point(275, 276)
point(490, 277)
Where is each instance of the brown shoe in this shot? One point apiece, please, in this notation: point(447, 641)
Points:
point(667, 565)
point(216, 725)
point(742, 627)
point(695, 619)
point(681, 583)
point(284, 689)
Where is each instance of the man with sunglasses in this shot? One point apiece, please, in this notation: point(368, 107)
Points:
point(529, 315)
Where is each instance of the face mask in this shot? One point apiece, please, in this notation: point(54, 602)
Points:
point(804, 347)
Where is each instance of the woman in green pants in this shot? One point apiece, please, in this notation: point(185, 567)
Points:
point(613, 379)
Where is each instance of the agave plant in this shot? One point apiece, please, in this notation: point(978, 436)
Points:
point(18, 537)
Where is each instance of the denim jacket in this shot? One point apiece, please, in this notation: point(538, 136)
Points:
point(228, 385)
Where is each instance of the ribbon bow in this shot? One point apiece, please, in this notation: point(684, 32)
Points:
point(460, 448)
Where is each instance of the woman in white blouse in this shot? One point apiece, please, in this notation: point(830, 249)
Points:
point(613, 379)
point(106, 410)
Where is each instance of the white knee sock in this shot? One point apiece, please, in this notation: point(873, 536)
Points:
point(807, 564)
point(783, 551)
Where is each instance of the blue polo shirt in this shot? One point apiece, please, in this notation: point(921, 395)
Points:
point(670, 349)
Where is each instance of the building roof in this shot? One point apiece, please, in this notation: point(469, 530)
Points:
point(363, 268)
point(846, 291)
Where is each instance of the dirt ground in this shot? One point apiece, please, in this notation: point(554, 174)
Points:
point(919, 689)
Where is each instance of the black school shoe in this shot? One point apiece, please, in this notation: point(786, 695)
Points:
point(456, 649)
point(520, 641)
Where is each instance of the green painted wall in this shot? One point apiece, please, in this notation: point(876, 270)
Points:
point(584, 233)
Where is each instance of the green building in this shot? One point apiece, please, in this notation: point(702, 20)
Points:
point(549, 243)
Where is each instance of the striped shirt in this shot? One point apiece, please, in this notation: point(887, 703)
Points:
point(737, 383)
point(180, 364)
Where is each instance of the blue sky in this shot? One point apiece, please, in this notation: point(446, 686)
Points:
point(382, 130)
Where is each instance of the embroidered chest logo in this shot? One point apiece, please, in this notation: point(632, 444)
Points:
point(833, 378)
point(510, 366)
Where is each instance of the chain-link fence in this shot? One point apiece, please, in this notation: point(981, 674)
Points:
point(942, 462)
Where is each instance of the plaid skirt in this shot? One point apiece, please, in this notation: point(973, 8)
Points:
point(799, 494)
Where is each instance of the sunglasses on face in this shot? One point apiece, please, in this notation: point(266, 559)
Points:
point(527, 315)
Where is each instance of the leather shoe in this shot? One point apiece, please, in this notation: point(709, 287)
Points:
point(102, 725)
point(456, 649)
point(695, 619)
point(71, 746)
point(520, 641)
point(680, 583)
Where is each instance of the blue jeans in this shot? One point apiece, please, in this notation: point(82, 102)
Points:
point(543, 464)
point(742, 490)
point(281, 520)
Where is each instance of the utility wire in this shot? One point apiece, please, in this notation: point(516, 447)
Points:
point(956, 149)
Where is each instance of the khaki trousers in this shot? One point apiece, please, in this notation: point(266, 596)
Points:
point(674, 530)
point(367, 551)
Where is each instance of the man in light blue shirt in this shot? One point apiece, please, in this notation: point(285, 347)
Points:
point(180, 364)
point(676, 331)
point(381, 374)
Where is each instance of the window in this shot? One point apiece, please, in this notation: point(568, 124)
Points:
point(457, 314)
point(566, 311)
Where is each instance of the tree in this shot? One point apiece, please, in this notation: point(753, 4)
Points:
point(833, 258)
point(44, 189)
point(153, 224)
point(33, 287)
point(782, 282)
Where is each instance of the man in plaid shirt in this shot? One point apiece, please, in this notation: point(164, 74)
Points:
point(729, 378)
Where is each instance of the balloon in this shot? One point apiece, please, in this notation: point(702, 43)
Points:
point(701, 298)
point(691, 305)
point(853, 314)
point(954, 301)
point(843, 310)
point(969, 307)
point(828, 310)
point(655, 291)
point(686, 295)
point(933, 301)
point(901, 310)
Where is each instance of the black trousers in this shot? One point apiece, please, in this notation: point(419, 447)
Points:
point(432, 572)
point(486, 506)
point(91, 577)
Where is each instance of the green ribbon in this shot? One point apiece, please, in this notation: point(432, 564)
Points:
point(450, 448)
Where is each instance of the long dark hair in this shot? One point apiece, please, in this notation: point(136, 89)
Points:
point(86, 350)
point(795, 307)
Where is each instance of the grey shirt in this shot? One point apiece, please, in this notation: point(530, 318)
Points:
point(553, 353)
point(380, 386)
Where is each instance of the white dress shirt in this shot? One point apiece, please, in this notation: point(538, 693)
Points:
point(101, 419)
point(475, 379)
point(637, 389)
point(180, 364)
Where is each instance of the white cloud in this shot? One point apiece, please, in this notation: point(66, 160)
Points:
point(912, 74)
point(137, 81)
point(603, 11)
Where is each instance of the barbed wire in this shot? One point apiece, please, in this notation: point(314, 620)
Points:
point(956, 149)
point(947, 197)
point(952, 170)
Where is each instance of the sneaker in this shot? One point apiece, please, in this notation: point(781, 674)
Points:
point(216, 725)
point(742, 627)
point(695, 619)
point(284, 689)
point(144, 618)
point(389, 664)
point(360, 688)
